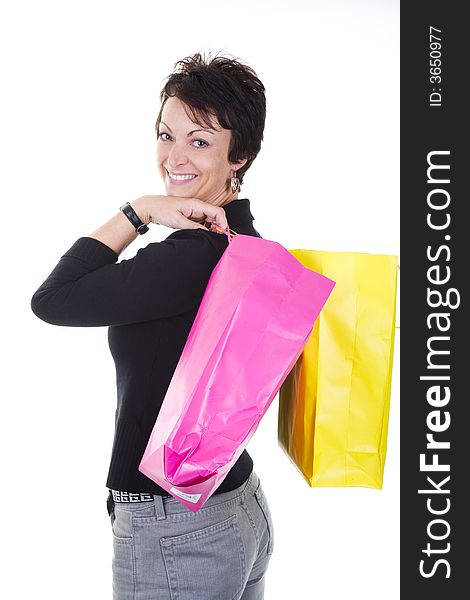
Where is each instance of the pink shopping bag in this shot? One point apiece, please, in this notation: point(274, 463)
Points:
point(253, 322)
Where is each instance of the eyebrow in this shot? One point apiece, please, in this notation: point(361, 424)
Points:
point(191, 132)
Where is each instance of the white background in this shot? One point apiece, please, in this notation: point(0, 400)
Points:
point(80, 97)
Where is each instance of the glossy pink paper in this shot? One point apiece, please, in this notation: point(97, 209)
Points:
point(253, 322)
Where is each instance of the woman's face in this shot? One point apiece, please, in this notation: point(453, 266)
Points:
point(192, 159)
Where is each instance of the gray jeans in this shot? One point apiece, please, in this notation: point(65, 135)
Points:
point(164, 551)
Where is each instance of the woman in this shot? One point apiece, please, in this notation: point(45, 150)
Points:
point(209, 131)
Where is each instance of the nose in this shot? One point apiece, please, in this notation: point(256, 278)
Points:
point(177, 156)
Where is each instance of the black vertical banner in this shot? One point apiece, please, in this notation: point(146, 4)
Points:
point(435, 355)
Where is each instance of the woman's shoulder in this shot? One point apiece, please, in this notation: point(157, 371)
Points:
point(196, 247)
point(204, 242)
point(199, 239)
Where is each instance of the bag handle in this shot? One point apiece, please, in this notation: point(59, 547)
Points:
point(228, 232)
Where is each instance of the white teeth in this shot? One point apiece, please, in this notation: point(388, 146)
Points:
point(181, 177)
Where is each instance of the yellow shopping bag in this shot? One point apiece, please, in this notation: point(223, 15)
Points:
point(334, 404)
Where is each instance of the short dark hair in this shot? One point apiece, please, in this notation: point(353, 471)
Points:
point(224, 88)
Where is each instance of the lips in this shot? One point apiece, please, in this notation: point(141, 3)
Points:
point(179, 178)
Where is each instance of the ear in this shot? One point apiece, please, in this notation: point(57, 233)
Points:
point(238, 165)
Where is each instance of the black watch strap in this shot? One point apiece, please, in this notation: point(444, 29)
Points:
point(133, 218)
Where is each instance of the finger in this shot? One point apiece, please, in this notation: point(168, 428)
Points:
point(185, 222)
point(212, 226)
point(217, 215)
point(199, 212)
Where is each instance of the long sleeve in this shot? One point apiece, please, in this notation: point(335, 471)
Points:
point(88, 288)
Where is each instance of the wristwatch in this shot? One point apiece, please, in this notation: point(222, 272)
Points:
point(133, 218)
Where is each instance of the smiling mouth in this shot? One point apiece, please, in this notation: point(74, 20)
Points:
point(180, 176)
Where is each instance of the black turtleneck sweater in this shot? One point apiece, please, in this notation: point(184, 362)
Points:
point(149, 303)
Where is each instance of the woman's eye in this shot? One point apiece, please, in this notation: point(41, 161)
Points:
point(161, 136)
point(203, 142)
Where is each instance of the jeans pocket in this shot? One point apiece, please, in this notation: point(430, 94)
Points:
point(207, 562)
point(263, 504)
point(121, 526)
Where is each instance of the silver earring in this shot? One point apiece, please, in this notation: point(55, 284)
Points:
point(235, 183)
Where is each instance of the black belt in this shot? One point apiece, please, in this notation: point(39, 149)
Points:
point(130, 496)
point(118, 496)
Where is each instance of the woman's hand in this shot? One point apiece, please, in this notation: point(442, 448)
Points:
point(179, 213)
point(172, 211)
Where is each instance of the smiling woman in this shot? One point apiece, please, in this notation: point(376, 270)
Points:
point(195, 160)
point(223, 100)
point(209, 131)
